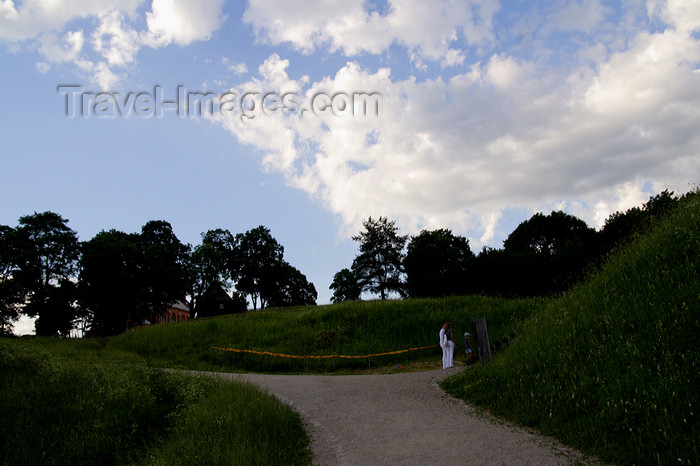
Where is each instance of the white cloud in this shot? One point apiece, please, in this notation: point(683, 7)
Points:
point(452, 57)
point(114, 40)
point(104, 75)
point(683, 15)
point(507, 134)
point(348, 27)
point(34, 17)
point(238, 68)
point(182, 21)
point(504, 72)
point(60, 50)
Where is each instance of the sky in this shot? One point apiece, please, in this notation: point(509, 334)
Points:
point(469, 115)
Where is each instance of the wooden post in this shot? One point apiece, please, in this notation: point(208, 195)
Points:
point(483, 344)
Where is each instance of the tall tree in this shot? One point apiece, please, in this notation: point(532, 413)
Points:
point(209, 263)
point(378, 267)
point(163, 266)
point(255, 260)
point(549, 252)
point(437, 263)
point(289, 287)
point(548, 234)
point(345, 287)
point(48, 252)
point(10, 295)
point(110, 286)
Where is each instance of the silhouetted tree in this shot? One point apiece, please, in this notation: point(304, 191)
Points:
point(289, 287)
point(110, 282)
point(493, 273)
point(163, 266)
point(209, 264)
point(345, 287)
point(11, 295)
point(437, 263)
point(661, 205)
point(255, 259)
point(47, 255)
point(548, 252)
point(378, 267)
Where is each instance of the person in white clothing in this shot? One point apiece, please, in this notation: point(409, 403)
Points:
point(443, 343)
point(449, 346)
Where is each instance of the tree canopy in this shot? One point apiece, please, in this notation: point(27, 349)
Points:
point(46, 258)
point(11, 297)
point(437, 263)
point(118, 279)
point(111, 292)
point(163, 266)
point(289, 287)
point(256, 257)
point(548, 253)
point(209, 264)
point(345, 287)
point(379, 265)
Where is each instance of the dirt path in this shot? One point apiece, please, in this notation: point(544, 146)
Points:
point(402, 418)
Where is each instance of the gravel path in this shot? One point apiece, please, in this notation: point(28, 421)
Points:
point(402, 418)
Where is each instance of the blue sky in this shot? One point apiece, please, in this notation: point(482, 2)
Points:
point(489, 112)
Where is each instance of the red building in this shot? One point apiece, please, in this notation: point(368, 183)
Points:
point(175, 313)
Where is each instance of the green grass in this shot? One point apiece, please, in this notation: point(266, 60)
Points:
point(76, 404)
point(612, 367)
point(356, 328)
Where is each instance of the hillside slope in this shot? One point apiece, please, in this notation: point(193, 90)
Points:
point(612, 367)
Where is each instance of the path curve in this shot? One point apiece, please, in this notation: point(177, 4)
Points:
point(402, 418)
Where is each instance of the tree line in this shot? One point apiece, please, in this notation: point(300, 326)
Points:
point(118, 279)
point(544, 255)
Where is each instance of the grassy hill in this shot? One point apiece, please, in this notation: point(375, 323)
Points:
point(355, 328)
point(612, 367)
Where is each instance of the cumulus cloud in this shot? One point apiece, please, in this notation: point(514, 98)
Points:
point(238, 68)
point(66, 48)
point(114, 42)
point(683, 15)
point(506, 133)
point(429, 30)
point(182, 21)
point(35, 17)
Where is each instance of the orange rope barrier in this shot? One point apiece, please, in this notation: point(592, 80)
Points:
point(281, 355)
